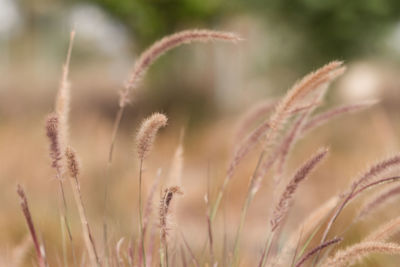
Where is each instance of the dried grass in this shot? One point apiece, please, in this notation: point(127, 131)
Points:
point(357, 252)
point(282, 207)
point(275, 127)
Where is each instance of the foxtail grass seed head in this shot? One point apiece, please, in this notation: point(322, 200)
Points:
point(384, 232)
point(355, 253)
point(162, 46)
point(285, 199)
point(52, 131)
point(72, 162)
point(147, 133)
point(315, 82)
point(335, 112)
point(376, 170)
point(62, 104)
point(376, 201)
point(308, 84)
point(166, 199)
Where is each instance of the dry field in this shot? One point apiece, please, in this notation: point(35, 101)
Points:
point(291, 181)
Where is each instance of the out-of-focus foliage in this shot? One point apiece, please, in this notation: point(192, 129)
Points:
point(331, 28)
point(335, 29)
point(150, 19)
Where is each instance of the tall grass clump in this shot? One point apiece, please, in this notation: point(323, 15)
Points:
point(142, 64)
point(271, 129)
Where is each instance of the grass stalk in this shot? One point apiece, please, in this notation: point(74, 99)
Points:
point(73, 167)
point(141, 231)
point(243, 215)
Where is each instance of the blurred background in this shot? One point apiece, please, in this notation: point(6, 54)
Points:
point(203, 88)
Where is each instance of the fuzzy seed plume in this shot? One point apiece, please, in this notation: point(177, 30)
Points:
point(165, 204)
point(286, 197)
point(307, 106)
point(378, 200)
point(149, 56)
point(355, 253)
point(251, 116)
point(315, 82)
point(72, 162)
point(333, 113)
point(62, 105)
point(147, 133)
point(52, 132)
point(377, 169)
point(305, 228)
point(384, 232)
point(308, 84)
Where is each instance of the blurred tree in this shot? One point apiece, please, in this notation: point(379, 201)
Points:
point(150, 19)
point(335, 29)
point(331, 28)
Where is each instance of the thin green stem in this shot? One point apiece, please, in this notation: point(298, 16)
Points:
point(218, 201)
point(249, 198)
point(267, 249)
point(66, 222)
point(141, 214)
point(308, 241)
point(239, 230)
point(116, 125)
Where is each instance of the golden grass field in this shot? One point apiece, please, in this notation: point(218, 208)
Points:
point(356, 141)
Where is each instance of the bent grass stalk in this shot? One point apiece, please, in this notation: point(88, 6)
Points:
point(145, 60)
point(353, 194)
point(373, 172)
point(377, 201)
point(243, 216)
point(300, 90)
point(284, 202)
